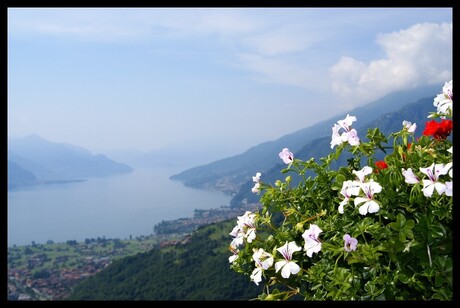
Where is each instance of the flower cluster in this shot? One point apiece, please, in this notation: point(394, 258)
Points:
point(244, 230)
point(363, 190)
point(363, 228)
point(443, 101)
point(349, 135)
point(439, 131)
point(432, 181)
point(256, 180)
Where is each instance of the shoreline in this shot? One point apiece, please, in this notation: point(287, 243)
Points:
point(49, 271)
point(173, 227)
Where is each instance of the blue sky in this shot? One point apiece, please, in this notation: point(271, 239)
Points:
point(216, 79)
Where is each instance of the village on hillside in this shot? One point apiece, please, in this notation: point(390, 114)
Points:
point(50, 271)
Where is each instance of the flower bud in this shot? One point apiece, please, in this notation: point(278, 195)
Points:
point(299, 227)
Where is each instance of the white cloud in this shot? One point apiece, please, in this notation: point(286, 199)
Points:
point(276, 48)
point(418, 55)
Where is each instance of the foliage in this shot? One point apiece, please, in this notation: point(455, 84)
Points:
point(187, 270)
point(369, 230)
point(387, 123)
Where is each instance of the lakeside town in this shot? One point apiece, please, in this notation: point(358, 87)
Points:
point(49, 271)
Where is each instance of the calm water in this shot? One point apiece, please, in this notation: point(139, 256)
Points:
point(114, 207)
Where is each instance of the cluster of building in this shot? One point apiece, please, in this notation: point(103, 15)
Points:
point(201, 218)
point(50, 284)
point(44, 278)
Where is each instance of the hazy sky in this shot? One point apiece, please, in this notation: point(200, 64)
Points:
point(223, 79)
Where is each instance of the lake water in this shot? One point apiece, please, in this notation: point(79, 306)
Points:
point(114, 207)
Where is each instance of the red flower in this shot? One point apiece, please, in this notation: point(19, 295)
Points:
point(439, 131)
point(446, 127)
point(381, 164)
point(430, 128)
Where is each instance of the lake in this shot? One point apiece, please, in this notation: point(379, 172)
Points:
point(115, 207)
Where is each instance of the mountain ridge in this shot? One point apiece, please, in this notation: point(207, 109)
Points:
point(229, 174)
point(35, 160)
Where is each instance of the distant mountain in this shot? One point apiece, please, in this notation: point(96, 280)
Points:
point(18, 176)
point(33, 160)
point(173, 156)
point(230, 174)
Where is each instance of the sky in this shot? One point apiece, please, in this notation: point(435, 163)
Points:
point(220, 80)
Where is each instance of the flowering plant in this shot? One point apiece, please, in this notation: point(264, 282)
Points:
point(370, 230)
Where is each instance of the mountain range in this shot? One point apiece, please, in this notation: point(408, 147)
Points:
point(35, 160)
point(231, 175)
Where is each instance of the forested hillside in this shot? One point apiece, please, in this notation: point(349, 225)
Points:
point(197, 269)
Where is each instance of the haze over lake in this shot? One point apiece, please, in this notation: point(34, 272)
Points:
point(114, 207)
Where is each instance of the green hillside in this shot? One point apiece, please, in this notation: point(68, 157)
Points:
point(196, 269)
